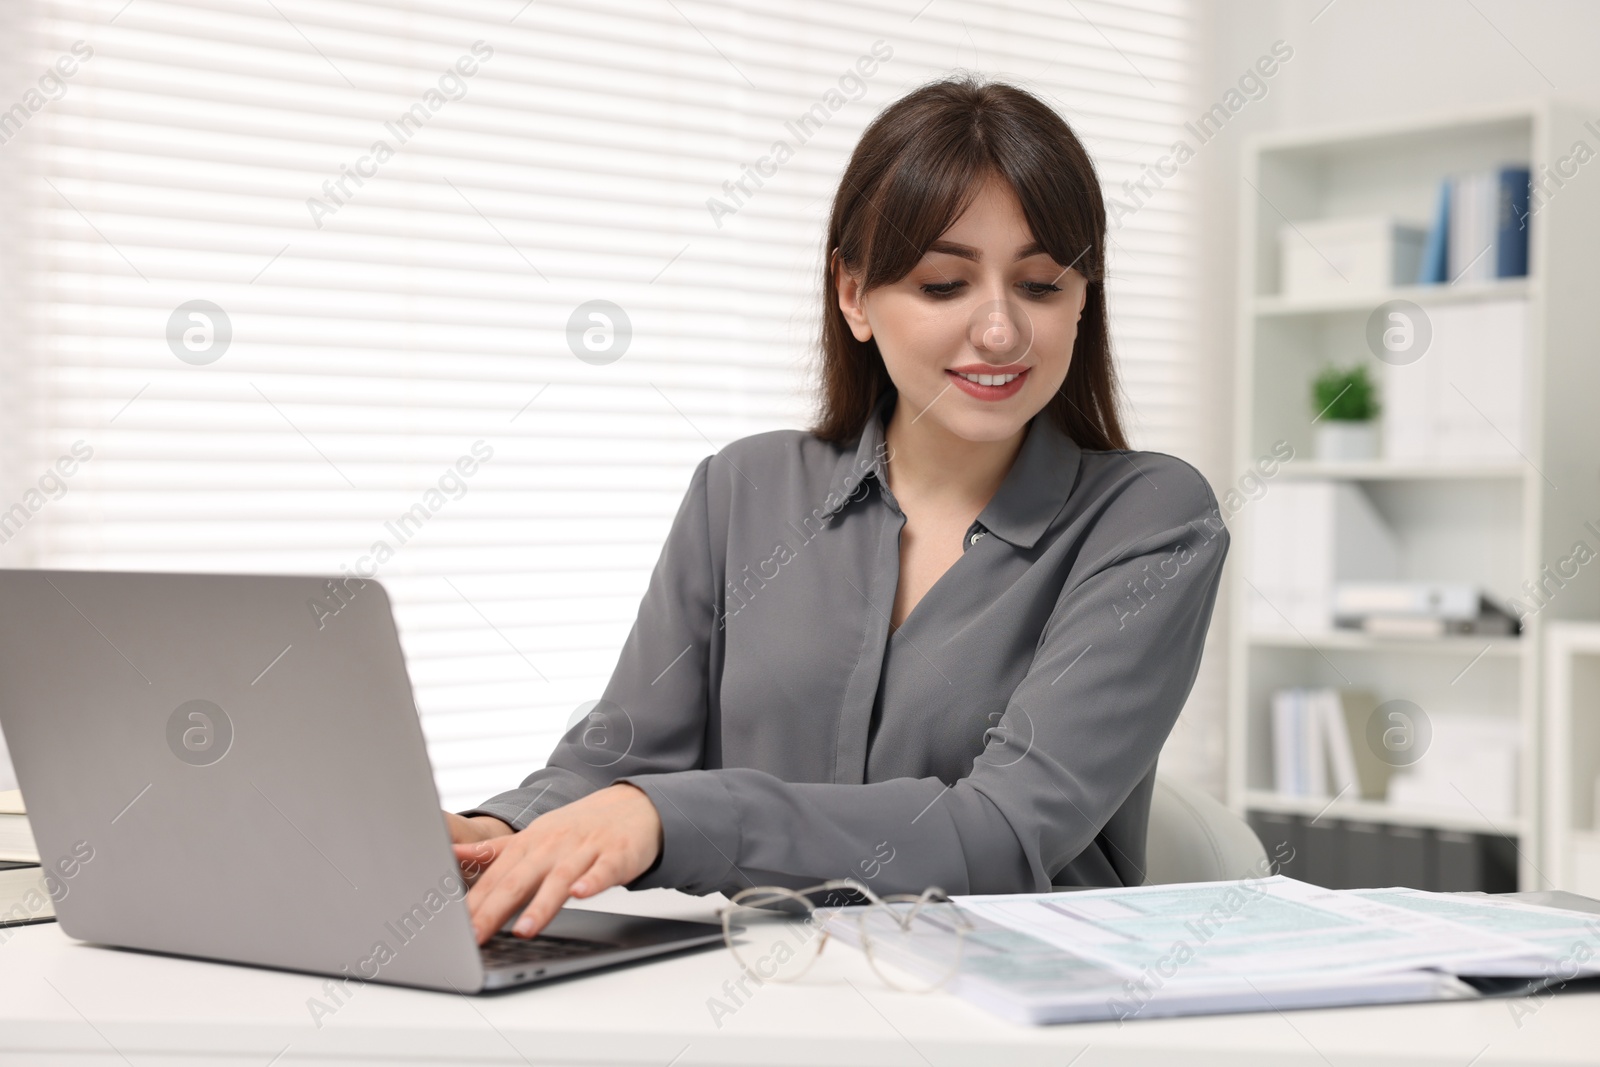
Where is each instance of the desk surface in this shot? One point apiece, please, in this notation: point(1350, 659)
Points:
point(89, 1004)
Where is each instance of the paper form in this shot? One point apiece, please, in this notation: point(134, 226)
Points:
point(1029, 979)
point(1568, 942)
point(1273, 927)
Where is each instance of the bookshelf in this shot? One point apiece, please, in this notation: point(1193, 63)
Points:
point(1571, 853)
point(1496, 523)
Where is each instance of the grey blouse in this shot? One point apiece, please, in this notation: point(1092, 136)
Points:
point(1002, 740)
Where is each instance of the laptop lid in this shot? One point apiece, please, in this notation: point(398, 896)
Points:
point(232, 767)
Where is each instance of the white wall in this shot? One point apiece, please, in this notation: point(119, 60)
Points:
point(1353, 60)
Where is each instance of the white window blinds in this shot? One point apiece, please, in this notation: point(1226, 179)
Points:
point(311, 282)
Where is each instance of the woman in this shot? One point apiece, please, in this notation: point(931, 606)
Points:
point(940, 638)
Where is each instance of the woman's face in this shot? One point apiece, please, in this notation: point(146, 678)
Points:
point(985, 302)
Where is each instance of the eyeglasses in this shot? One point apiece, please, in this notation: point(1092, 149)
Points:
point(913, 942)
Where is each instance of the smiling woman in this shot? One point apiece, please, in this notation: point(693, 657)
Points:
point(1002, 233)
point(965, 678)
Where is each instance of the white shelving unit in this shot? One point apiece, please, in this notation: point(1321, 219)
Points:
point(1495, 524)
point(1571, 854)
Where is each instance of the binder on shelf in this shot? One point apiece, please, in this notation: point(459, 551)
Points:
point(1405, 859)
point(1281, 836)
point(1366, 857)
point(1350, 853)
point(1511, 223)
point(1462, 401)
point(1309, 536)
point(1460, 862)
point(1326, 858)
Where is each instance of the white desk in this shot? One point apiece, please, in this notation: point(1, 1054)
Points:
point(63, 1002)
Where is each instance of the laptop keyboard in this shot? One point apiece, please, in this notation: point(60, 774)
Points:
point(503, 949)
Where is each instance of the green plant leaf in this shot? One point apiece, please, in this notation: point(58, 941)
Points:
point(1344, 394)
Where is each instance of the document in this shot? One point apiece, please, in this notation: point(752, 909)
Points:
point(1257, 927)
point(1206, 947)
point(1568, 941)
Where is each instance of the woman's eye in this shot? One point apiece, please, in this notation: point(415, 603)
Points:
point(1035, 289)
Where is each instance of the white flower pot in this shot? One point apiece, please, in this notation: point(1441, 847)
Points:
point(1343, 442)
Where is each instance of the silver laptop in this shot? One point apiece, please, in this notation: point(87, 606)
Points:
point(232, 767)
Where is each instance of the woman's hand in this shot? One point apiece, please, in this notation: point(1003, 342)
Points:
point(607, 838)
point(469, 831)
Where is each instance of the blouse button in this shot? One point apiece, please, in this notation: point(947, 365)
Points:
point(975, 537)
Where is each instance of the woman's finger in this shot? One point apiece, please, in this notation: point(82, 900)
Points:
point(600, 876)
point(507, 884)
point(485, 851)
point(474, 858)
point(553, 891)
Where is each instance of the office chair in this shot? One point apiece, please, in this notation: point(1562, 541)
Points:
point(1193, 838)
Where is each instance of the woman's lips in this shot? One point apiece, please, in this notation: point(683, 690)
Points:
point(989, 392)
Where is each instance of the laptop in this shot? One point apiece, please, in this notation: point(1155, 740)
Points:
point(231, 767)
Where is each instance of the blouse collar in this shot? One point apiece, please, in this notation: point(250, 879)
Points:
point(1032, 494)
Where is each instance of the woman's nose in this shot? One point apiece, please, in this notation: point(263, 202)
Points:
point(1000, 331)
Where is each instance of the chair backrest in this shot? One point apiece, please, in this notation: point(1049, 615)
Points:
point(1193, 838)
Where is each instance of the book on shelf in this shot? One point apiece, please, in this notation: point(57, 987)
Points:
point(1319, 744)
point(1480, 227)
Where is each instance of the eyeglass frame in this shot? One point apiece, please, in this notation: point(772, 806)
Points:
point(932, 894)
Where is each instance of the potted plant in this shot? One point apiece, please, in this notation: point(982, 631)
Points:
point(1344, 403)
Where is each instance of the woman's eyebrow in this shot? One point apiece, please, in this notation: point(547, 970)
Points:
point(968, 252)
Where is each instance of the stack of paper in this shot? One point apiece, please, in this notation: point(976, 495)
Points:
point(1250, 945)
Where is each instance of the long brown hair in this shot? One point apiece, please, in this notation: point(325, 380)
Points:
point(916, 168)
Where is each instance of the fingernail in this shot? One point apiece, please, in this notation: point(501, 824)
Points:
point(580, 887)
point(524, 926)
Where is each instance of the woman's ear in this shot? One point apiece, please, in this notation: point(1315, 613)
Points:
point(849, 287)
